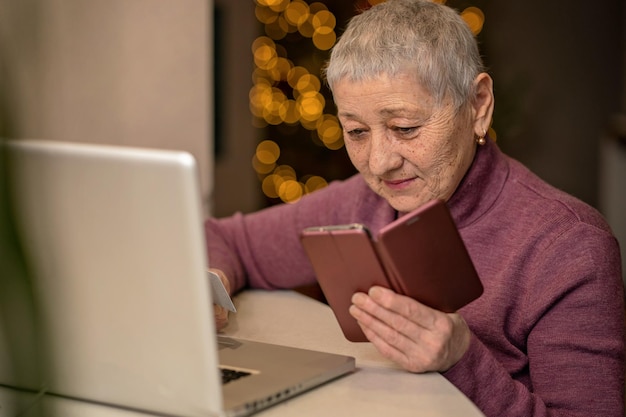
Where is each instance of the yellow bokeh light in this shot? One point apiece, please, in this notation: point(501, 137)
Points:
point(272, 117)
point(261, 95)
point(324, 38)
point(285, 172)
point(290, 191)
point(314, 183)
point(271, 109)
point(265, 14)
point(316, 7)
point(308, 83)
point(331, 134)
point(475, 19)
point(311, 105)
point(265, 56)
point(260, 167)
point(296, 12)
point(324, 18)
point(289, 112)
point(275, 5)
point(260, 76)
point(269, 186)
point(294, 75)
point(262, 41)
point(329, 131)
point(309, 124)
point(283, 66)
point(335, 146)
point(305, 27)
point(278, 96)
point(267, 152)
point(270, 105)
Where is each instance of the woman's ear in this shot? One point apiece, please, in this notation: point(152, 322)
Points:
point(483, 103)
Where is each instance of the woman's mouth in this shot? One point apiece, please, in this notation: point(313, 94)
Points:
point(399, 184)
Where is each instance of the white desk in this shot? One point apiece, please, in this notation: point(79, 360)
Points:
point(377, 388)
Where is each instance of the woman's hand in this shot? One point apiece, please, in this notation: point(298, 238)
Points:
point(221, 314)
point(415, 336)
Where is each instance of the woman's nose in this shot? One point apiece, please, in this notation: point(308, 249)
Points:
point(383, 155)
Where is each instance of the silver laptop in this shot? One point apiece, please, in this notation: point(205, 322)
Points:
point(121, 306)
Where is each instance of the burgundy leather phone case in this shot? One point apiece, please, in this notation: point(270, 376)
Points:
point(420, 255)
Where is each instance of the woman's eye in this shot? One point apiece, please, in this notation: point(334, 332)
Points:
point(356, 133)
point(405, 130)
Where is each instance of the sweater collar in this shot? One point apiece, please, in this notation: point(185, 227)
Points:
point(481, 185)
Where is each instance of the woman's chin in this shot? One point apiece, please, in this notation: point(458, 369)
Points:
point(405, 204)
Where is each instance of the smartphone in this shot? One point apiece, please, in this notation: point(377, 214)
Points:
point(425, 258)
point(420, 255)
point(345, 262)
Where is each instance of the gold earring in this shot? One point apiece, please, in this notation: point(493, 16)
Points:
point(481, 139)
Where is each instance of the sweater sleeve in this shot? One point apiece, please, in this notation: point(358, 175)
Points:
point(574, 347)
point(485, 381)
point(263, 249)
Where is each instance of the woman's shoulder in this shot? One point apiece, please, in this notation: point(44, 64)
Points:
point(541, 202)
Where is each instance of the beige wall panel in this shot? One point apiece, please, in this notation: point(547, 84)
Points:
point(128, 72)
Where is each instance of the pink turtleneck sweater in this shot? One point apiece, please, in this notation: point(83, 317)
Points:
point(548, 332)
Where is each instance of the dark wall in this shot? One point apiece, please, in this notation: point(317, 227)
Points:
point(559, 72)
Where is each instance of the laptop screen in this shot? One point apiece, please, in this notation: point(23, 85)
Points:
point(113, 240)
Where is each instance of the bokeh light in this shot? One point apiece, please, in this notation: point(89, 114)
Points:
point(290, 191)
point(288, 94)
point(475, 19)
point(301, 103)
point(330, 132)
point(296, 13)
point(314, 183)
point(267, 152)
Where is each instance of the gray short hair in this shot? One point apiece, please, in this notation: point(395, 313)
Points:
point(409, 35)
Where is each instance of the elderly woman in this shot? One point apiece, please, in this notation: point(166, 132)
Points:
point(546, 337)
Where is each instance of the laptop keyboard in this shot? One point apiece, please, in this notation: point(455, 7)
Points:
point(232, 374)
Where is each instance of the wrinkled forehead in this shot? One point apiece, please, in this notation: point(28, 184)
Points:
point(387, 96)
point(411, 80)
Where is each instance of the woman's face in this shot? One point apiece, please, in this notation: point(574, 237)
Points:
point(408, 149)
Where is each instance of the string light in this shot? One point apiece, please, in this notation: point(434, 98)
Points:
point(475, 18)
point(304, 105)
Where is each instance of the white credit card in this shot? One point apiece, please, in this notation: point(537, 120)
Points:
point(219, 293)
